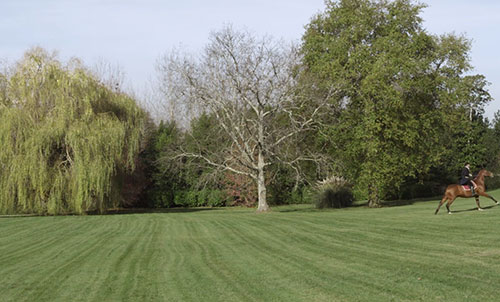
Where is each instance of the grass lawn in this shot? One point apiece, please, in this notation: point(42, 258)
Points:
point(294, 253)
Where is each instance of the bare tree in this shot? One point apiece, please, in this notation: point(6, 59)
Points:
point(111, 75)
point(248, 84)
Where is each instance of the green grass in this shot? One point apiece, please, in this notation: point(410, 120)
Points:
point(295, 253)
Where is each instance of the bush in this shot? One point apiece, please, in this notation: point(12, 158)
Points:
point(333, 192)
point(421, 190)
point(179, 198)
point(492, 183)
point(160, 199)
point(191, 198)
point(309, 195)
point(296, 196)
point(200, 198)
point(216, 198)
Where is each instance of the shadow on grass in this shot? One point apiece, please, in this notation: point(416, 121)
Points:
point(399, 203)
point(292, 210)
point(19, 216)
point(362, 204)
point(473, 209)
point(308, 208)
point(123, 211)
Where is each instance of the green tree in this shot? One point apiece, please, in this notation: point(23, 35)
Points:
point(492, 142)
point(166, 176)
point(66, 139)
point(400, 89)
point(177, 178)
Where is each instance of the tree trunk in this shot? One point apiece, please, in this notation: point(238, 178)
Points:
point(261, 187)
point(373, 196)
point(261, 178)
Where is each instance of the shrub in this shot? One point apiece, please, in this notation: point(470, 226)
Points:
point(309, 195)
point(179, 198)
point(240, 190)
point(200, 198)
point(333, 192)
point(191, 198)
point(296, 197)
point(216, 198)
point(160, 199)
point(421, 190)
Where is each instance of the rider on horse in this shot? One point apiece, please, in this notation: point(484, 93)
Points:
point(466, 178)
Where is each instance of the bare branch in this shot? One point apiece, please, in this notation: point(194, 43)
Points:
point(212, 163)
point(246, 84)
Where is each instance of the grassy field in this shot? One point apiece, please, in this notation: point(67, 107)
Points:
point(295, 253)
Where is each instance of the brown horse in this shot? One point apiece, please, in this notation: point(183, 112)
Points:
point(454, 191)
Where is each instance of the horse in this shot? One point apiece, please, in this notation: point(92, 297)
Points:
point(454, 191)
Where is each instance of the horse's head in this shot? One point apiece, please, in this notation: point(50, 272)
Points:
point(486, 173)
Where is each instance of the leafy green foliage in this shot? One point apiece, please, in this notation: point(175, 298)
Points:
point(284, 187)
point(201, 198)
point(64, 138)
point(179, 181)
point(401, 93)
point(166, 175)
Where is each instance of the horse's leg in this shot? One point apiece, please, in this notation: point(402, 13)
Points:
point(448, 204)
point(478, 205)
point(440, 204)
point(488, 196)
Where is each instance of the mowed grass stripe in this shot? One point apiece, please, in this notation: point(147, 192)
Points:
point(373, 244)
point(335, 275)
point(295, 253)
point(117, 261)
point(42, 244)
point(260, 264)
point(73, 263)
point(322, 274)
point(46, 242)
point(31, 237)
point(208, 247)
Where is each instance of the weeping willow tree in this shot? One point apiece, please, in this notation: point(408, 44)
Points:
point(65, 138)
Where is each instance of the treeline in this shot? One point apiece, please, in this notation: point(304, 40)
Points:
point(188, 181)
point(369, 105)
point(369, 96)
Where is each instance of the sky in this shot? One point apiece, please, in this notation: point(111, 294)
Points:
point(135, 33)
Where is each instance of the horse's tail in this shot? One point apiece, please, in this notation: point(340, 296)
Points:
point(448, 195)
point(441, 203)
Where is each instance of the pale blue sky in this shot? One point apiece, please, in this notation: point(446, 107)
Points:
point(134, 33)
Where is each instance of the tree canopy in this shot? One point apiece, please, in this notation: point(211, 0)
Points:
point(402, 90)
point(66, 138)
